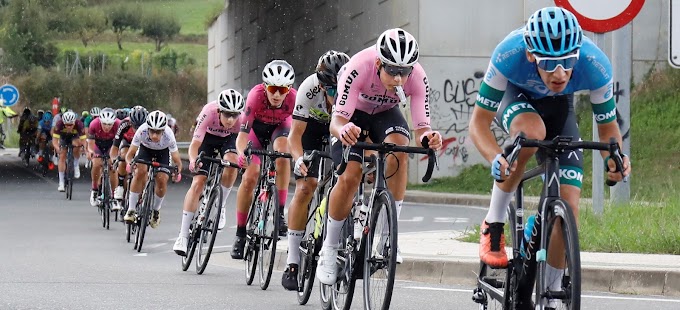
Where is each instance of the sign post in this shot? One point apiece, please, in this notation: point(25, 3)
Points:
point(601, 16)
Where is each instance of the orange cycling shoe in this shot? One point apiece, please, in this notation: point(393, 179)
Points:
point(492, 245)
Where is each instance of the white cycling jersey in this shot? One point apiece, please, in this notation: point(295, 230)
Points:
point(167, 140)
point(310, 101)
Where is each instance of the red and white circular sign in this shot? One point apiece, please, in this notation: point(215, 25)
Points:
point(602, 15)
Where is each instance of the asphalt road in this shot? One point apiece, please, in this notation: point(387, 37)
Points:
point(56, 255)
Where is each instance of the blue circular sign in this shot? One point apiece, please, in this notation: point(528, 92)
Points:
point(10, 94)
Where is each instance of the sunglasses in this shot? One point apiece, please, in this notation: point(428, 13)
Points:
point(550, 64)
point(331, 90)
point(230, 114)
point(397, 70)
point(281, 89)
point(156, 132)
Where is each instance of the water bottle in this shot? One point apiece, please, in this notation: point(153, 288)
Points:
point(360, 219)
point(318, 217)
point(528, 229)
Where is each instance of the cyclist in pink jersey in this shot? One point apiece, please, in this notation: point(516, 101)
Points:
point(100, 136)
point(267, 119)
point(370, 88)
point(215, 135)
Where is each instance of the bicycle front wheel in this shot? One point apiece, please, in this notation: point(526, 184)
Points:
point(251, 250)
point(106, 200)
point(145, 216)
point(269, 236)
point(561, 290)
point(309, 250)
point(208, 231)
point(380, 261)
point(194, 230)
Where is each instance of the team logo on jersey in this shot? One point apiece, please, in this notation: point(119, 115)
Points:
point(348, 84)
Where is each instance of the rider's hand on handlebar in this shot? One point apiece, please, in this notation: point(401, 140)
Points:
point(614, 175)
point(300, 167)
point(177, 177)
point(499, 166)
point(349, 134)
point(433, 139)
point(194, 164)
point(243, 161)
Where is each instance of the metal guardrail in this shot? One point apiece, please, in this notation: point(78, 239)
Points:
point(183, 145)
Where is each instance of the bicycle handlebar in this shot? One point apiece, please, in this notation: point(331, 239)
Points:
point(224, 163)
point(154, 164)
point(564, 143)
point(390, 148)
point(249, 151)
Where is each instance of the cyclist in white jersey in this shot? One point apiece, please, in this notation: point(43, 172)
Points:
point(313, 105)
point(153, 140)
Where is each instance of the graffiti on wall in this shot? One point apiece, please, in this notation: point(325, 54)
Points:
point(453, 102)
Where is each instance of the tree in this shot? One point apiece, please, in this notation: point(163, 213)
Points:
point(88, 23)
point(160, 28)
point(124, 17)
point(24, 37)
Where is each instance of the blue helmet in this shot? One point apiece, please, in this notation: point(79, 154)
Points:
point(552, 31)
point(47, 116)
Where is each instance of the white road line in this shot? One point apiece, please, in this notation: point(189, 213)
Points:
point(414, 219)
point(155, 245)
point(586, 296)
point(451, 219)
point(140, 254)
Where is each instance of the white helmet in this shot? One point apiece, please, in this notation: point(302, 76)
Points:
point(107, 116)
point(230, 100)
point(397, 47)
point(95, 111)
point(156, 120)
point(278, 73)
point(69, 117)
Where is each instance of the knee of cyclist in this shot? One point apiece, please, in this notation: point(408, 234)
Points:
point(248, 182)
point(349, 181)
point(306, 189)
point(197, 185)
point(282, 161)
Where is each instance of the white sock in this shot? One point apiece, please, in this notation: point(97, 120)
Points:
point(294, 237)
point(132, 201)
point(187, 216)
point(554, 277)
point(157, 202)
point(61, 178)
point(398, 204)
point(225, 194)
point(499, 205)
point(333, 228)
point(76, 162)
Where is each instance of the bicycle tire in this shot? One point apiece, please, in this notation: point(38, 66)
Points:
point(251, 249)
point(145, 215)
point(69, 174)
point(380, 258)
point(571, 294)
point(191, 244)
point(269, 238)
point(106, 197)
point(342, 293)
point(208, 231)
point(309, 250)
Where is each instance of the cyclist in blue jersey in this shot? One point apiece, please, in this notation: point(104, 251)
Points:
point(529, 87)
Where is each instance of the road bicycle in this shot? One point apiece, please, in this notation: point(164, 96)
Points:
point(262, 227)
point(372, 257)
point(143, 216)
point(104, 192)
point(511, 287)
point(204, 225)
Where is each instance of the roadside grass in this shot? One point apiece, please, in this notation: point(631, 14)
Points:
point(649, 224)
point(191, 14)
point(635, 228)
point(199, 52)
point(11, 138)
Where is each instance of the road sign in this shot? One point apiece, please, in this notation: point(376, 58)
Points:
point(602, 16)
point(10, 94)
point(674, 29)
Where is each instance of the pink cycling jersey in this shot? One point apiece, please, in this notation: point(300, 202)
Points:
point(96, 131)
point(209, 122)
point(259, 109)
point(360, 88)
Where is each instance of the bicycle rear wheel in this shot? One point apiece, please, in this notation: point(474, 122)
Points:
point(309, 250)
point(208, 231)
point(380, 261)
point(252, 249)
point(562, 291)
point(270, 235)
point(194, 231)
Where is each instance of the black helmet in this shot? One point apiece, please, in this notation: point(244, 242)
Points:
point(328, 67)
point(138, 116)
